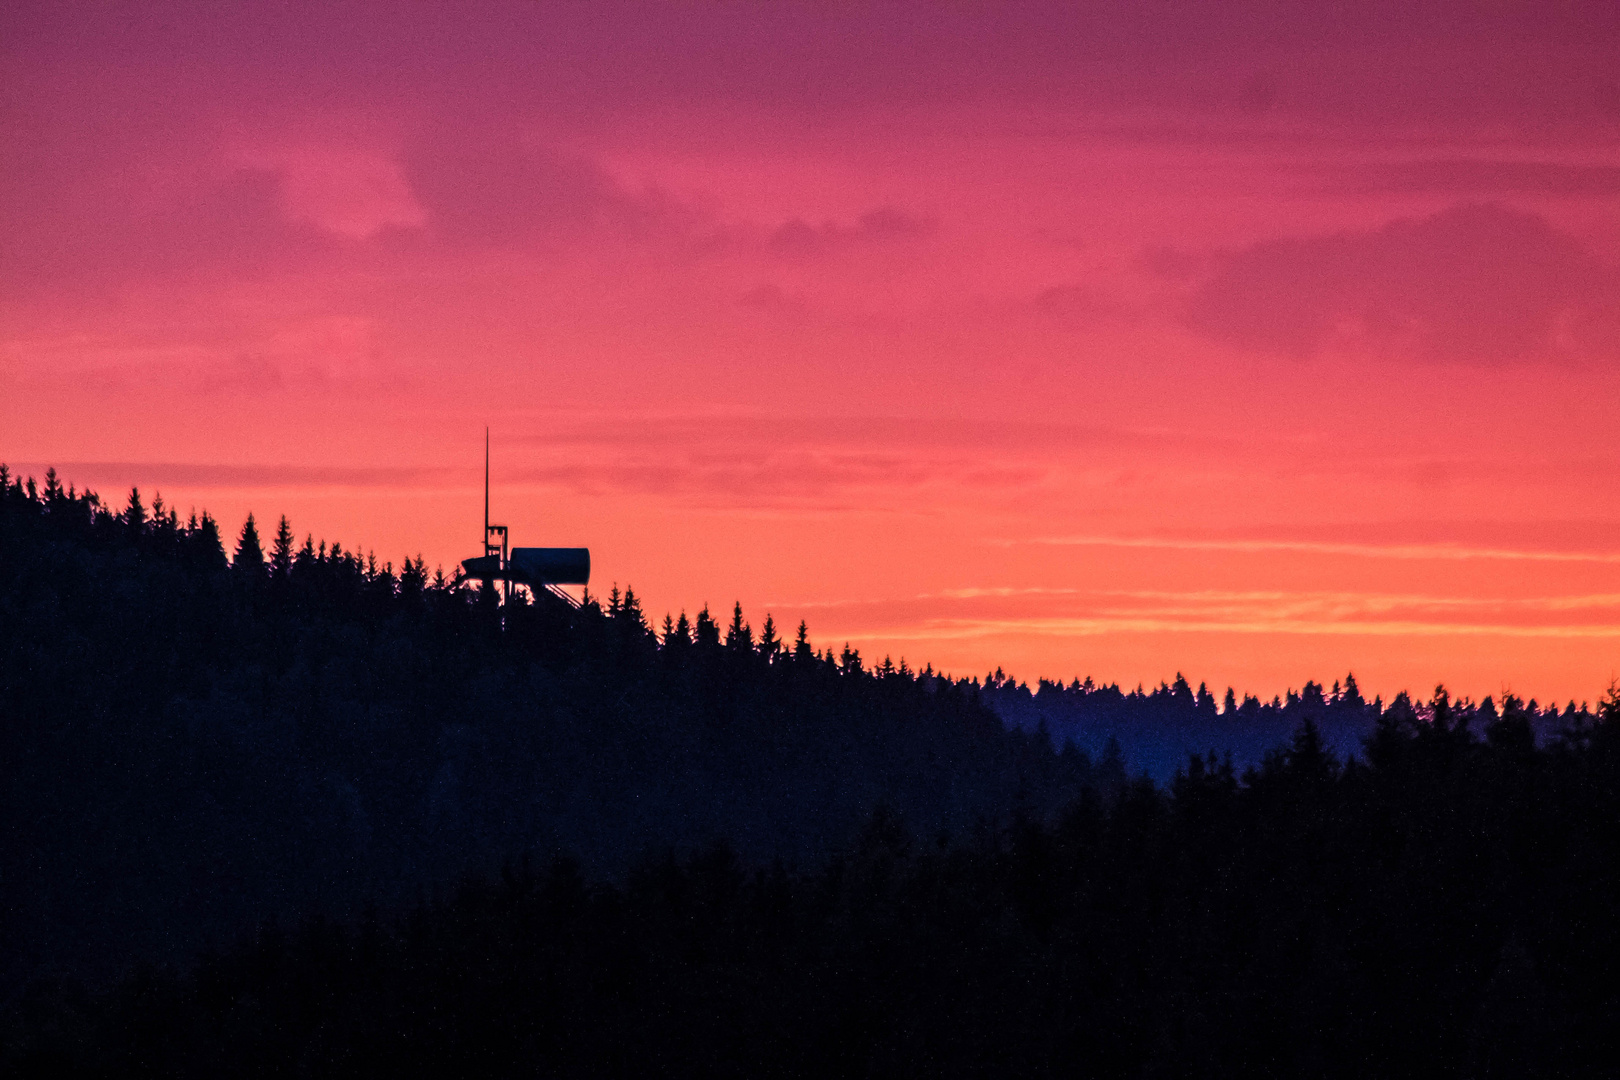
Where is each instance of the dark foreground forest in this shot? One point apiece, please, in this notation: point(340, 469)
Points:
point(294, 812)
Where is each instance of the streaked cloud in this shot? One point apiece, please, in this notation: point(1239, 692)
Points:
point(783, 477)
point(119, 476)
point(957, 629)
point(1080, 612)
point(1315, 547)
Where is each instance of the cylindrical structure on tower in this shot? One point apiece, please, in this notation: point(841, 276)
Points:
point(551, 566)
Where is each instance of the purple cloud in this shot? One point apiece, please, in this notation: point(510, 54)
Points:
point(799, 239)
point(491, 187)
point(1480, 284)
point(88, 235)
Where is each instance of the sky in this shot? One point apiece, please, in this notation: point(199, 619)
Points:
point(1262, 342)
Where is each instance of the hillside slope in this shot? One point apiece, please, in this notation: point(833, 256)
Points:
point(192, 744)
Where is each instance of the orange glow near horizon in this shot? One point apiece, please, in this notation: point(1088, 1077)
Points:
point(1151, 356)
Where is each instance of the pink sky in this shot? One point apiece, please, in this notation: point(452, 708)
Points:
point(1257, 344)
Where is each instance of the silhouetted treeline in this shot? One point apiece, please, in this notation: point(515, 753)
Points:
point(1153, 731)
point(193, 743)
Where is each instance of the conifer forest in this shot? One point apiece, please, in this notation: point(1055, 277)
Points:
point(273, 807)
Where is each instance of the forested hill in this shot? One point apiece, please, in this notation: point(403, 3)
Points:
point(193, 743)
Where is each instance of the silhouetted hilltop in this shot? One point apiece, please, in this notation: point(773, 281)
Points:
point(195, 743)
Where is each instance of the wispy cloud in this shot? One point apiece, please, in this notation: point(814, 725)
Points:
point(987, 612)
point(1356, 600)
point(782, 477)
point(146, 474)
point(887, 224)
point(1314, 547)
point(956, 629)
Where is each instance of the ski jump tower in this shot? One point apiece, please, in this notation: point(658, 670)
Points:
point(541, 569)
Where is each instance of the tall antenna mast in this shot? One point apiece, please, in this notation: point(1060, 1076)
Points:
point(538, 569)
point(496, 550)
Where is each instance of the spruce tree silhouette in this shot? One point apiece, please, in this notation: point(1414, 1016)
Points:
point(249, 559)
point(707, 631)
point(630, 612)
point(281, 558)
point(682, 635)
point(135, 512)
point(739, 637)
point(769, 646)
